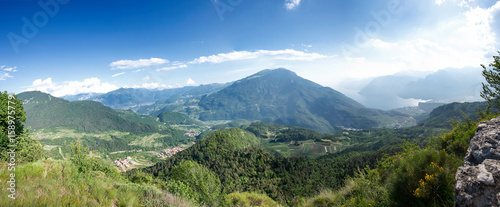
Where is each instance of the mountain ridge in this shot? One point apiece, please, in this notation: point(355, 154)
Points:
point(283, 97)
point(46, 111)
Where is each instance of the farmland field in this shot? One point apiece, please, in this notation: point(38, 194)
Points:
point(304, 148)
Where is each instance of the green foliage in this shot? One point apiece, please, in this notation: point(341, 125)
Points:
point(247, 199)
point(420, 177)
point(86, 164)
point(413, 177)
point(59, 183)
point(141, 177)
point(242, 167)
point(491, 90)
point(444, 116)
point(11, 106)
point(201, 183)
point(12, 118)
point(175, 118)
point(46, 111)
point(282, 97)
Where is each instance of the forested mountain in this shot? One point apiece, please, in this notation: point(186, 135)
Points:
point(282, 97)
point(236, 158)
point(135, 98)
point(174, 118)
point(442, 116)
point(125, 98)
point(46, 111)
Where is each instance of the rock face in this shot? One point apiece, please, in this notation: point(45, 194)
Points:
point(477, 182)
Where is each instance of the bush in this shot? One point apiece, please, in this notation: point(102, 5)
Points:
point(247, 199)
point(420, 177)
point(194, 180)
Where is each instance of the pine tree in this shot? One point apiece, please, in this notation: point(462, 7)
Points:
point(491, 90)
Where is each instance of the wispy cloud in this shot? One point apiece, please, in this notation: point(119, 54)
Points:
point(151, 85)
point(131, 64)
point(4, 76)
point(58, 89)
point(291, 4)
point(5, 72)
point(287, 54)
point(439, 2)
point(118, 74)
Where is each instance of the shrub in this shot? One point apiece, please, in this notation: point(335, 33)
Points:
point(247, 199)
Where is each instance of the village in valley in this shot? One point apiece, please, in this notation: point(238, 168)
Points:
point(128, 163)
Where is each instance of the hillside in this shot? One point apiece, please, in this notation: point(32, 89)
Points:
point(442, 116)
point(238, 159)
point(46, 111)
point(174, 118)
point(282, 97)
point(126, 98)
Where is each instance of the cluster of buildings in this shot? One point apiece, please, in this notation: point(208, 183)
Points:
point(123, 163)
point(169, 152)
point(192, 133)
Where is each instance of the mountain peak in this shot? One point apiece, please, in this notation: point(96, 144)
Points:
point(283, 97)
point(277, 71)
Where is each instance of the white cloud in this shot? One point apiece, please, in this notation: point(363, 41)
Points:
point(4, 76)
point(11, 69)
point(175, 65)
point(291, 4)
point(89, 85)
point(118, 74)
point(439, 2)
point(287, 54)
point(167, 68)
point(151, 85)
point(5, 72)
point(464, 40)
point(130, 64)
point(190, 82)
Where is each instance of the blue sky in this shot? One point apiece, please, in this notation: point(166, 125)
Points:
point(66, 47)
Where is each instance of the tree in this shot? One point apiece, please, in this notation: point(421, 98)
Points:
point(199, 180)
point(12, 118)
point(491, 90)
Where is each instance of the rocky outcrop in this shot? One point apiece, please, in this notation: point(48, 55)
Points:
point(477, 182)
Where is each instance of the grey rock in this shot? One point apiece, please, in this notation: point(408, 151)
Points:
point(477, 182)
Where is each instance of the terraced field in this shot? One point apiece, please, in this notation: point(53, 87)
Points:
point(305, 148)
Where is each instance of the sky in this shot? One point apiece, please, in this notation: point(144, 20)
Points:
point(67, 47)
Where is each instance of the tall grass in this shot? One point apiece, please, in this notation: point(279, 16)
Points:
point(58, 183)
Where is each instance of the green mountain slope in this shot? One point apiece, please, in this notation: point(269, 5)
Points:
point(236, 158)
point(282, 97)
point(442, 116)
point(126, 98)
point(175, 118)
point(46, 111)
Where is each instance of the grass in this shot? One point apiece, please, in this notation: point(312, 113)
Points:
point(147, 141)
point(58, 183)
point(247, 199)
point(307, 148)
point(64, 132)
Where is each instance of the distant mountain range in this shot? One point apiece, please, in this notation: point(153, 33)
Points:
point(46, 111)
point(445, 86)
point(135, 98)
point(278, 96)
point(282, 97)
